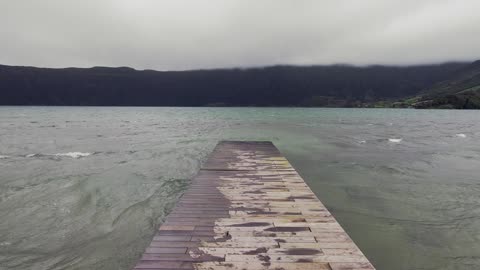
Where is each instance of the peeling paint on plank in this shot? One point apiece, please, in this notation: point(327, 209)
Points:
point(248, 208)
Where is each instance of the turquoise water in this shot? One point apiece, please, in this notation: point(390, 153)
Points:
point(85, 187)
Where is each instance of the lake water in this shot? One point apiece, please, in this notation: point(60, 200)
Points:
point(85, 187)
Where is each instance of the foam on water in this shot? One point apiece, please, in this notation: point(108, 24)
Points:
point(3, 157)
point(73, 154)
point(393, 140)
point(461, 135)
point(67, 154)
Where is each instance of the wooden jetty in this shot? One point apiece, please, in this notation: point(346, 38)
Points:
point(249, 209)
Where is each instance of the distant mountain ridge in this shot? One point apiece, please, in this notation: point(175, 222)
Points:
point(315, 86)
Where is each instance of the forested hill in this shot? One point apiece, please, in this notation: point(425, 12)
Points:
point(338, 85)
point(461, 90)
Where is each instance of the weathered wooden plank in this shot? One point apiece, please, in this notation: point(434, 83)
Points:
point(186, 228)
point(169, 250)
point(184, 244)
point(262, 250)
point(156, 264)
point(249, 209)
point(297, 258)
point(351, 266)
point(262, 266)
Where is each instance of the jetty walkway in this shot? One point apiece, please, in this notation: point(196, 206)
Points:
point(249, 209)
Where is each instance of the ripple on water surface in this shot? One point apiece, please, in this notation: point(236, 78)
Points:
point(100, 180)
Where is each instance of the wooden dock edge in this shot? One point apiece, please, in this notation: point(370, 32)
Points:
point(249, 209)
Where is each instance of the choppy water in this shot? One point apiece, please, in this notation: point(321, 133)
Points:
point(85, 187)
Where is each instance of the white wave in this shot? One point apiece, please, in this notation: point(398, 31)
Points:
point(31, 155)
point(393, 140)
point(3, 157)
point(362, 142)
point(461, 135)
point(73, 154)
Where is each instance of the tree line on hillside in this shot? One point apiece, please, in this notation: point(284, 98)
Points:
point(324, 86)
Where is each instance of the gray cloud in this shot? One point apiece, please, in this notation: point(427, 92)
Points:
point(181, 34)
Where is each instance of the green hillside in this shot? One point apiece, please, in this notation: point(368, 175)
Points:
point(460, 91)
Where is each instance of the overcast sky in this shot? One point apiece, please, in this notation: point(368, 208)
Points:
point(181, 34)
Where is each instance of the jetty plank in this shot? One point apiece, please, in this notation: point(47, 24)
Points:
point(249, 209)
